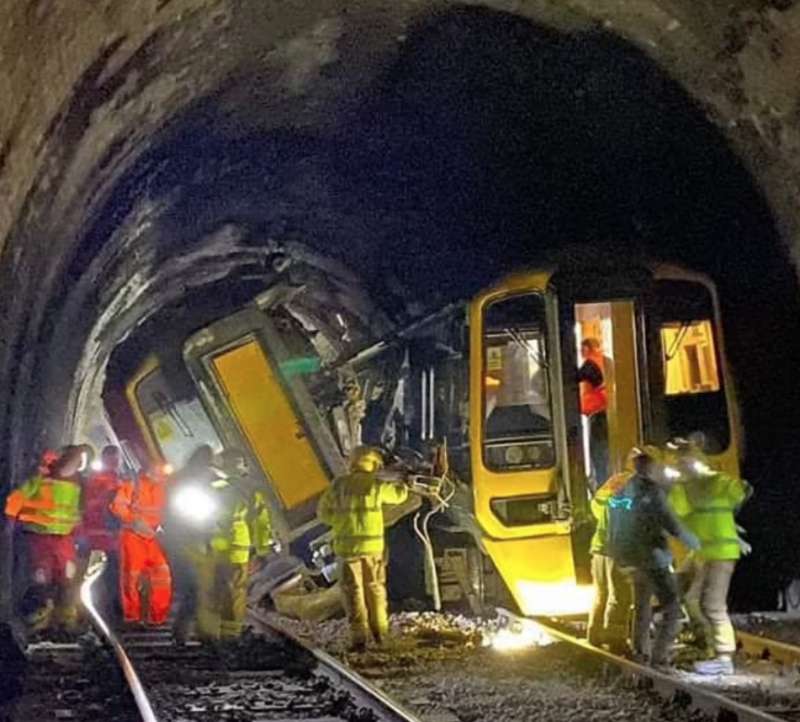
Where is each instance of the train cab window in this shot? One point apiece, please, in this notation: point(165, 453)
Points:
point(178, 426)
point(694, 393)
point(518, 431)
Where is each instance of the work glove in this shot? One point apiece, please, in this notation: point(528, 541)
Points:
point(744, 546)
point(276, 546)
point(690, 541)
point(142, 528)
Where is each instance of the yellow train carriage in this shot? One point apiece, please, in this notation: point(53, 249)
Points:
point(531, 475)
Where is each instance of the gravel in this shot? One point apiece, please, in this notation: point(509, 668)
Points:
point(438, 667)
point(774, 625)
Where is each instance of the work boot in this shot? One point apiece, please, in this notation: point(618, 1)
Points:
point(722, 665)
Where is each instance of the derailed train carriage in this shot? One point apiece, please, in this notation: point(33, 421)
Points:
point(492, 385)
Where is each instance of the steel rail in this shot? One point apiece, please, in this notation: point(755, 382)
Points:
point(97, 563)
point(764, 648)
point(667, 686)
point(364, 693)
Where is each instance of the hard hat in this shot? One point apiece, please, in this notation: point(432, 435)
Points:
point(366, 458)
point(646, 450)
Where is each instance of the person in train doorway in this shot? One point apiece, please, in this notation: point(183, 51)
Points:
point(353, 507)
point(707, 501)
point(594, 405)
point(139, 505)
point(610, 616)
point(241, 533)
point(100, 528)
point(639, 522)
point(47, 508)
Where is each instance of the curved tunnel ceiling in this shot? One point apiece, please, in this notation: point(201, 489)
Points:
point(425, 148)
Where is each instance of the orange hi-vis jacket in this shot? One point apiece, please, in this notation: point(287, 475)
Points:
point(143, 500)
point(46, 506)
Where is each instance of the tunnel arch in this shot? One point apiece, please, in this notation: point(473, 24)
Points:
point(141, 168)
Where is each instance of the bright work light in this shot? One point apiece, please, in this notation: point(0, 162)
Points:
point(194, 503)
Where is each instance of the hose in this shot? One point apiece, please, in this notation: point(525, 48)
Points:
point(439, 501)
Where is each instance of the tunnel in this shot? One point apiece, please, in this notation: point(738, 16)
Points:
point(387, 159)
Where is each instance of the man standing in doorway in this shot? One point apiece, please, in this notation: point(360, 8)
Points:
point(594, 404)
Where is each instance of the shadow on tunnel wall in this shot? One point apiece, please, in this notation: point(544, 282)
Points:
point(487, 143)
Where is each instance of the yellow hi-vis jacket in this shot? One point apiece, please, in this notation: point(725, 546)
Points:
point(244, 523)
point(707, 506)
point(46, 506)
point(352, 508)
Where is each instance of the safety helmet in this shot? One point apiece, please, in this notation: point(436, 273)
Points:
point(366, 458)
point(688, 453)
point(231, 462)
point(645, 450)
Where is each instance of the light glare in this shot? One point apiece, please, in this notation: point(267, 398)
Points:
point(544, 599)
point(194, 503)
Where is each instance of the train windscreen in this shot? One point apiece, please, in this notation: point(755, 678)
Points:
point(518, 430)
point(178, 426)
point(694, 394)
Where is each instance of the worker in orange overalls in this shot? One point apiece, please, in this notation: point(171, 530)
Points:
point(594, 403)
point(47, 508)
point(140, 505)
point(100, 528)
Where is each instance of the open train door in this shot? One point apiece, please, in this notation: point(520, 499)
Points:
point(600, 317)
point(248, 382)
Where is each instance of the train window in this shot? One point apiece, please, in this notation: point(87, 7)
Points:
point(518, 430)
point(690, 359)
point(694, 390)
point(177, 426)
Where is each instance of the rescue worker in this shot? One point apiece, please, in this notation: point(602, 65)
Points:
point(707, 501)
point(139, 505)
point(594, 403)
point(352, 507)
point(240, 529)
point(186, 540)
point(47, 507)
point(639, 520)
point(100, 528)
point(609, 618)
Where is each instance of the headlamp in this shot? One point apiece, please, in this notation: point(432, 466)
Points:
point(701, 468)
point(97, 465)
point(671, 473)
point(194, 503)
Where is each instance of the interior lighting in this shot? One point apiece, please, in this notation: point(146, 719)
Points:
point(544, 599)
point(194, 503)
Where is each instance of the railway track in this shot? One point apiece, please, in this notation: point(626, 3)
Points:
point(141, 675)
point(743, 697)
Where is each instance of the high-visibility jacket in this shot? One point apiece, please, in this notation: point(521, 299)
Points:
point(707, 506)
point(593, 396)
point(599, 506)
point(46, 506)
point(143, 501)
point(352, 507)
point(243, 523)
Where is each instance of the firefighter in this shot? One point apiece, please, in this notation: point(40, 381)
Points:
point(352, 507)
point(240, 528)
point(707, 501)
point(139, 505)
point(47, 507)
point(609, 618)
point(639, 521)
point(100, 528)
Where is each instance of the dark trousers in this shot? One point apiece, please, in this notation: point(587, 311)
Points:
point(662, 584)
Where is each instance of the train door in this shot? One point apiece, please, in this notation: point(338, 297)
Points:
point(608, 385)
point(243, 371)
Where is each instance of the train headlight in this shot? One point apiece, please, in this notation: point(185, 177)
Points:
point(194, 504)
